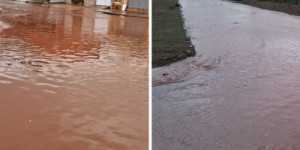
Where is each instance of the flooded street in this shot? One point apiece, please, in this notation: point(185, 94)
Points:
point(240, 91)
point(72, 78)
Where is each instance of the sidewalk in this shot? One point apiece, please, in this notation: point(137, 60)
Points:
point(123, 13)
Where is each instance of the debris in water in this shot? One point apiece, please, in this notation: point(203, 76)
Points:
point(0, 9)
point(29, 121)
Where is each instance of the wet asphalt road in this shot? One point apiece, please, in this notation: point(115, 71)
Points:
point(240, 91)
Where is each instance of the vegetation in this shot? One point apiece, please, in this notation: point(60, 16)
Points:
point(170, 42)
point(287, 6)
point(277, 1)
point(77, 1)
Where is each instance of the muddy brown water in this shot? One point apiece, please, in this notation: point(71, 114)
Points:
point(240, 91)
point(72, 78)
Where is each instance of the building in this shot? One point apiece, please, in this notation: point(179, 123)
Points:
point(132, 4)
point(140, 5)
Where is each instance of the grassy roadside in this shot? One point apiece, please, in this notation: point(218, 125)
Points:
point(291, 7)
point(170, 42)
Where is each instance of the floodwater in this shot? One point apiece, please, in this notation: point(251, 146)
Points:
point(72, 78)
point(240, 91)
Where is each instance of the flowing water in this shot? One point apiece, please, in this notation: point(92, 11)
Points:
point(240, 91)
point(72, 78)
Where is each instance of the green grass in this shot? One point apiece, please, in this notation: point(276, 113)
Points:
point(291, 7)
point(170, 42)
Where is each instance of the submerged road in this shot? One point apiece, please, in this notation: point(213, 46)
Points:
point(72, 78)
point(240, 91)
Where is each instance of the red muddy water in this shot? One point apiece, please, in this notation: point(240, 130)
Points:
point(240, 91)
point(72, 78)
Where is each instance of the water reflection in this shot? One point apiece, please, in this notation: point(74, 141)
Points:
point(72, 78)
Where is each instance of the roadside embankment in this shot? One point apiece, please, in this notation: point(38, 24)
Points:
point(291, 7)
point(170, 42)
